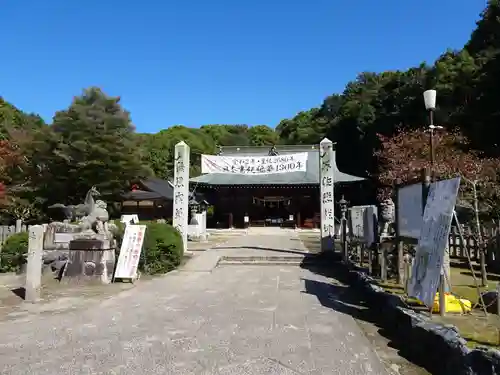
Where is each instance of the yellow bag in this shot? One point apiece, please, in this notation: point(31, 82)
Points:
point(452, 304)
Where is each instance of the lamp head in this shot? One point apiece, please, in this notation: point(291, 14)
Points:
point(430, 99)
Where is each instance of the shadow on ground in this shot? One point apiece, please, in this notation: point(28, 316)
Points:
point(19, 292)
point(289, 251)
point(341, 297)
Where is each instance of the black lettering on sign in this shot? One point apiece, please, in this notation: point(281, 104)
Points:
point(178, 213)
point(179, 182)
point(179, 166)
point(179, 198)
point(328, 228)
point(327, 197)
point(327, 181)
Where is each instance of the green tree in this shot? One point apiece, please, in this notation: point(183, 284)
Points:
point(11, 118)
point(90, 143)
point(159, 149)
point(307, 127)
point(262, 135)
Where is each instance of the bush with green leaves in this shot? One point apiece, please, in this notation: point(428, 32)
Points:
point(13, 254)
point(162, 250)
point(118, 232)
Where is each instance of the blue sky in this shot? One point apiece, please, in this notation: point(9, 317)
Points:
point(215, 61)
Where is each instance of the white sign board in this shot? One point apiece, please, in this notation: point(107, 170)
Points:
point(254, 165)
point(129, 219)
point(130, 252)
point(356, 220)
point(410, 209)
point(433, 240)
point(370, 224)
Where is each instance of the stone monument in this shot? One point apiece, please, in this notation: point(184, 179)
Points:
point(34, 267)
point(87, 248)
point(327, 163)
point(387, 217)
point(181, 191)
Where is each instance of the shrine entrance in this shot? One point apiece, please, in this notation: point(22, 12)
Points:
point(271, 211)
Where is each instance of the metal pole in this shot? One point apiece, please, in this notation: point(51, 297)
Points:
point(441, 289)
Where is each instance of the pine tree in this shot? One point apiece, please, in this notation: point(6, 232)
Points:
point(93, 142)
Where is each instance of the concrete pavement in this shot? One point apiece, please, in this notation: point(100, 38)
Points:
point(204, 320)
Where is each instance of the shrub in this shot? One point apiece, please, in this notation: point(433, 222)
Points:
point(118, 233)
point(162, 249)
point(13, 254)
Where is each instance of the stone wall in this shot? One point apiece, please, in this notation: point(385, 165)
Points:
point(441, 347)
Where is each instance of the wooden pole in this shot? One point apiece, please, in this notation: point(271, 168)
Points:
point(466, 251)
point(399, 245)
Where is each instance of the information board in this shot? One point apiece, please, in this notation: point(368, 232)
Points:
point(130, 252)
point(355, 221)
point(370, 225)
point(410, 207)
point(433, 240)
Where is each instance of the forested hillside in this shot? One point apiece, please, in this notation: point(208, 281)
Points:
point(93, 142)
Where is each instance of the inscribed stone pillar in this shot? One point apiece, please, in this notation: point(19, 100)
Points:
point(181, 191)
point(326, 164)
point(34, 267)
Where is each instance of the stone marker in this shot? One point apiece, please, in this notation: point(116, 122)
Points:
point(34, 267)
point(181, 191)
point(326, 173)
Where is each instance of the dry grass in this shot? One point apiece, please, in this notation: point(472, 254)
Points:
point(477, 329)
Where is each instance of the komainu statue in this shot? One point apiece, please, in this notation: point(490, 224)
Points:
point(92, 216)
point(387, 217)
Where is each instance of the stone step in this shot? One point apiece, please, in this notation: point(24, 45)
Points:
point(265, 260)
point(259, 263)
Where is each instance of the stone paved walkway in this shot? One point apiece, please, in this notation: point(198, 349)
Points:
point(230, 320)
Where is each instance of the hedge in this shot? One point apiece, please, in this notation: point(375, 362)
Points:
point(162, 250)
point(13, 253)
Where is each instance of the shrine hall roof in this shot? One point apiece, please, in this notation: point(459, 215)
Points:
point(309, 177)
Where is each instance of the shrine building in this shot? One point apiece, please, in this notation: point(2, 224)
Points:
point(265, 186)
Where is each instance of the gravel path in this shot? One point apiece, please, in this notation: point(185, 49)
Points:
point(232, 320)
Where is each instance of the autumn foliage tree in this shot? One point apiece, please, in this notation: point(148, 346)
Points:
point(402, 157)
point(10, 158)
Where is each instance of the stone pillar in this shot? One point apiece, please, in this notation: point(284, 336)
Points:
point(204, 222)
point(34, 267)
point(19, 226)
point(181, 191)
point(326, 172)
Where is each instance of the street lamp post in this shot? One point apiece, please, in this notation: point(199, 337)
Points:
point(430, 106)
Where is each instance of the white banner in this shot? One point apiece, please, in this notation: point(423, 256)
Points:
point(130, 252)
point(433, 240)
point(254, 165)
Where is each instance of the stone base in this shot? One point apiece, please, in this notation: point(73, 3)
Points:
point(90, 259)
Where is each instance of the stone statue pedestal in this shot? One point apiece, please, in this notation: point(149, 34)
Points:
point(91, 259)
